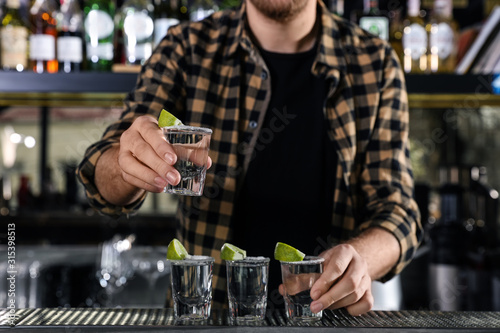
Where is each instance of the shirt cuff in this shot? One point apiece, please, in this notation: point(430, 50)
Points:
point(86, 173)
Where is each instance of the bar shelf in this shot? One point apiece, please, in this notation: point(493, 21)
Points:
point(92, 89)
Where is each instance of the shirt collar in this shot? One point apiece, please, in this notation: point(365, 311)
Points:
point(331, 50)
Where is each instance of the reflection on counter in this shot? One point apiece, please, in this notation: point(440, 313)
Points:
point(69, 276)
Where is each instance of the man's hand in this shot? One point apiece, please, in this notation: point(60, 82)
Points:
point(349, 269)
point(145, 159)
point(345, 282)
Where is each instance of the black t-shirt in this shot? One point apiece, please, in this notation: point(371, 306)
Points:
point(288, 190)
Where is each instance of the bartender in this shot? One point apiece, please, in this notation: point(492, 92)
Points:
point(309, 147)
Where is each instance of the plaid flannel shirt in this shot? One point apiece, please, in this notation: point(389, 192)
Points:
point(210, 74)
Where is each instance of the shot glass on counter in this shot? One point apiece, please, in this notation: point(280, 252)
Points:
point(298, 278)
point(247, 281)
point(192, 287)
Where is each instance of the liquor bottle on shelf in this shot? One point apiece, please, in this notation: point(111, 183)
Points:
point(135, 21)
point(337, 7)
point(415, 40)
point(373, 21)
point(99, 34)
point(70, 36)
point(14, 34)
point(200, 9)
point(396, 31)
point(443, 38)
point(42, 41)
point(166, 14)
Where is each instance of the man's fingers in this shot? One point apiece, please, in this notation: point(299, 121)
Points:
point(344, 280)
point(350, 283)
point(148, 157)
point(156, 139)
point(149, 180)
point(357, 295)
point(143, 146)
point(364, 305)
point(333, 269)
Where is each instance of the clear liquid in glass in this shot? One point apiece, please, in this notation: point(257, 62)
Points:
point(192, 287)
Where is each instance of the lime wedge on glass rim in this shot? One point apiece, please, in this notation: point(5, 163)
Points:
point(231, 252)
point(176, 251)
point(166, 119)
point(285, 252)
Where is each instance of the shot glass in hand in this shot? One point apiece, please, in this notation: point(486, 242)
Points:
point(191, 145)
point(298, 279)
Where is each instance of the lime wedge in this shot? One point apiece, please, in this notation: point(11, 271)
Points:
point(166, 119)
point(285, 252)
point(231, 252)
point(176, 251)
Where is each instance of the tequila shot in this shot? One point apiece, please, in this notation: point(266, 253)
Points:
point(192, 287)
point(247, 281)
point(191, 145)
point(298, 278)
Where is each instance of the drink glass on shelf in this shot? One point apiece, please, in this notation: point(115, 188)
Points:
point(192, 287)
point(298, 278)
point(191, 145)
point(247, 281)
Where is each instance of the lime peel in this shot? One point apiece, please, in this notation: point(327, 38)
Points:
point(231, 252)
point(176, 251)
point(285, 252)
point(166, 119)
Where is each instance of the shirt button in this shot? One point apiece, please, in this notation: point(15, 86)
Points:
point(263, 75)
point(252, 124)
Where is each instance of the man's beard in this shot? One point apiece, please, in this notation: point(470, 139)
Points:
point(280, 10)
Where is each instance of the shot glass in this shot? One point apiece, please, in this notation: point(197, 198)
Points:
point(298, 278)
point(192, 287)
point(247, 288)
point(191, 145)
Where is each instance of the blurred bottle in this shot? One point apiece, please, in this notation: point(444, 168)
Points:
point(200, 9)
point(71, 186)
point(99, 34)
point(4, 196)
point(25, 198)
point(166, 14)
point(14, 36)
point(373, 21)
point(481, 242)
point(70, 36)
point(135, 20)
point(42, 50)
point(396, 31)
point(443, 38)
point(447, 284)
point(337, 7)
point(415, 40)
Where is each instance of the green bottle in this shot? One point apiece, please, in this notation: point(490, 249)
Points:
point(167, 13)
point(135, 22)
point(14, 39)
point(99, 34)
point(374, 21)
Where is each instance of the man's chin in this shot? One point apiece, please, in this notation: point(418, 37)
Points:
point(279, 10)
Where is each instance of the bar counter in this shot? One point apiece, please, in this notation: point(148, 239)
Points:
point(161, 320)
